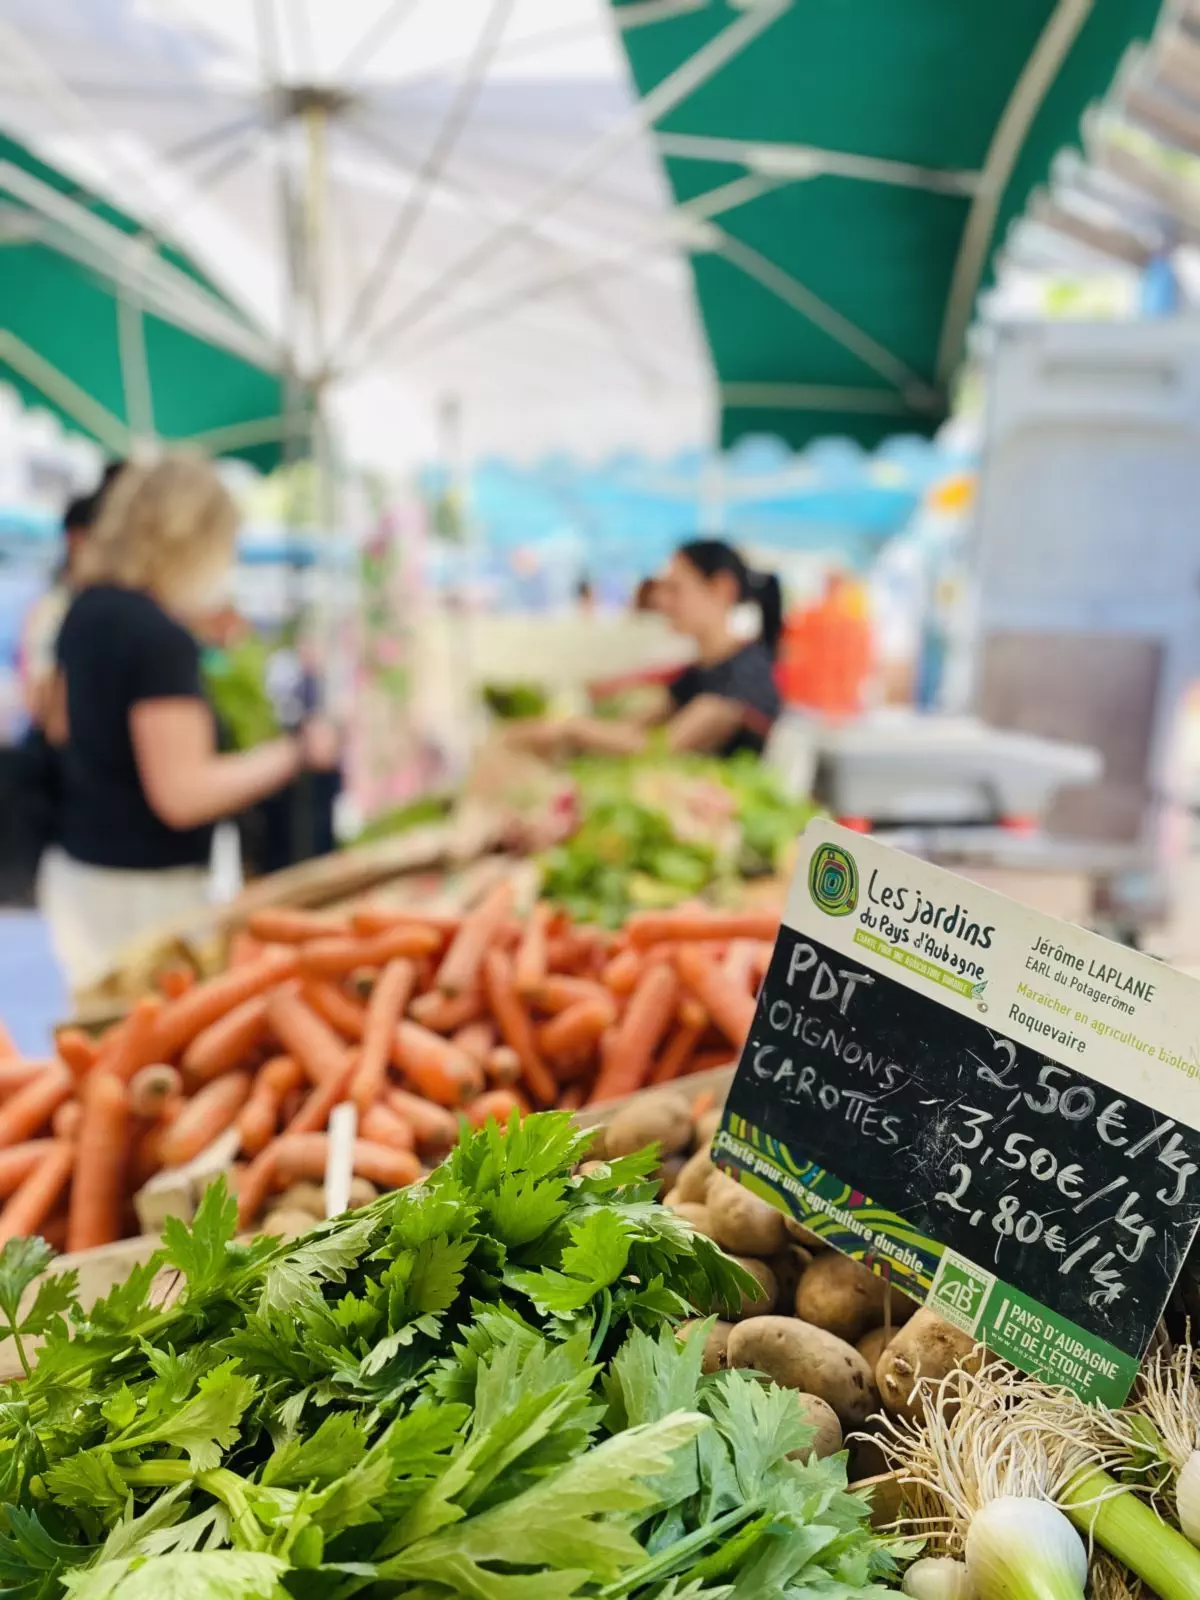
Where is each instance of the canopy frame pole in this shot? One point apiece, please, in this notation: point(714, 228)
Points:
point(131, 353)
point(802, 300)
point(813, 397)
point(799, 162)
point(676, 87)
point(44, 376)
point(409, 215)
point(685, 225)
point(106, 249)
point(1030, 90)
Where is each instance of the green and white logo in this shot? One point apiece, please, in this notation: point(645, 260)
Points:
point(960, 1291)
point(833, 880)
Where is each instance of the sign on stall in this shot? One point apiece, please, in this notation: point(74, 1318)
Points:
point(996, 1110)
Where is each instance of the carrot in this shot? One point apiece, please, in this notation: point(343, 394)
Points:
point(205, 1117)
point(649, 1014)
point(232, 1042)
point(255, 1183)
point(173, 982)
point(502, 1067)
point(308, 1040)
point(181, 1021)
point(76, 1050)
point(461, 964)
point(709, 1060)
point(738, 963)
point(728, 1004)
point(515, 1026)
point(384, 1010)
point(382, 1125)
point(477, 1040)
point(344, 1015)
point(32, 1202)
point(367, 920)
point(130, 1046)
point(572, 1035)
point(335, 957)
point(651, 927)
point(445, 1013)
point(558, 991)
point(244, 950)
point(320, 1101)
point(150, 1088)
point(17, 1074)
point(622, 972)
point(678, 1051)
point(435, 1128)
point(692, 1014)
point(702, 1102)
point(258, 1119)
point(19, 1160)
point(530, 967)
point(572, 1097)
point(28, 1110)
point(8, 1045)
point(280, 925)
point(304, 1155)
point(147, 1154)
point(435, 1067)
point(64, 1124)
point(102, 1153)
point(496, 1104)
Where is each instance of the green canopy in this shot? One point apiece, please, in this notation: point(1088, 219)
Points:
point(850, 167)
point(120, 334)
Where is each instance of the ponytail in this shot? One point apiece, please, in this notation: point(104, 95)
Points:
point(713, 556)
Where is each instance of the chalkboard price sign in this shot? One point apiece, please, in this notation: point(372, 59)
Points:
point(932, 1089)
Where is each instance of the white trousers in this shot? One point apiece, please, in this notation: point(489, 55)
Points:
point(95, 913)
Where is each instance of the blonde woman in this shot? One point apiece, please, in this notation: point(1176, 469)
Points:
point(143, 781)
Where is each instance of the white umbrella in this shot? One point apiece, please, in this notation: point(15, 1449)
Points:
point(432, 208)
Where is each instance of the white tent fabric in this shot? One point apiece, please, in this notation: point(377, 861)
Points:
point(447, 212)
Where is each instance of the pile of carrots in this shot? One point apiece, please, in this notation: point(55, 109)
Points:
point(419, 1020)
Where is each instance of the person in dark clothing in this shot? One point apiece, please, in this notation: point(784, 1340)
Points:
point(726, 700)
point(143, 779)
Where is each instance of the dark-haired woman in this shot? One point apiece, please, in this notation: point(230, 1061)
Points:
point(726, 700)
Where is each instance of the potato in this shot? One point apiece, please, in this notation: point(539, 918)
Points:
point(667, 1175)
point(286, 1223)
point(742, 1223)
point(304, 1196)
point(697, 1215)
point(673, 1198)
point(926, 1347)
point(707, 1124)
point(818, 1414)
point(799, 1356)
point(662, 1119)
point(362, 1192)
point(841, 1296)
point(872, 1345)
point(787, 1267)
point(768, 1297)
point(715, 1346)
point(802, 1235)
point(693, 1179)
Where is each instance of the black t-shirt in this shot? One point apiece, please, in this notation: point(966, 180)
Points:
point(118, 647)
point(746, 677)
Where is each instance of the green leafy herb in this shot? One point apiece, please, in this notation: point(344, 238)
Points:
point(469, 1389)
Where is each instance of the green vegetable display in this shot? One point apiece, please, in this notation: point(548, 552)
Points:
point(470, 1389)
point(513, 702)
point(236, 681)
point(659, 829)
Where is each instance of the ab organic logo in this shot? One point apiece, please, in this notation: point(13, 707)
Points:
point(959, 1291)
point(833, 880)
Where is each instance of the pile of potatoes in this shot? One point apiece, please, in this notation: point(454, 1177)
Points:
point(821, 1324)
